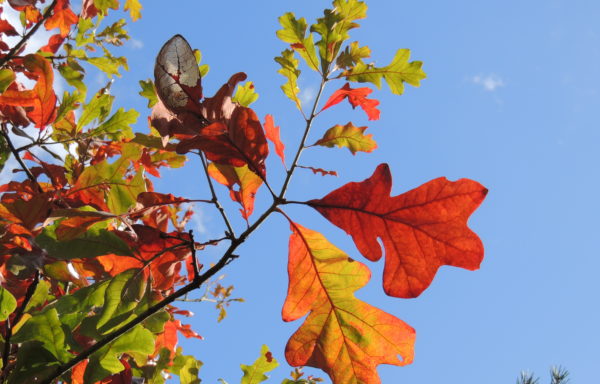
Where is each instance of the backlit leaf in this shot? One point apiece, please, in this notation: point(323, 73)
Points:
point(176, 75)
point(398, 72)
point(149, 92)
point(186, 367)
point(96, 241)
point(4, 152)
point(7, 304)
point(105, 361)
point(356, 97)
point(289, 69)
point(62, 17)
point(134, 7)
point(272, 133)
point(6, 78)
point(242, 183)
point(255, 373)
point(421, 229)
point(348, 136)
point(118, 127)
point(46, 328)
point(245, 94)
point(342, 335)
point(294, 33)
point(41, 98)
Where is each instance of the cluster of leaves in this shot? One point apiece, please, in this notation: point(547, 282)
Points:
point(92, 258)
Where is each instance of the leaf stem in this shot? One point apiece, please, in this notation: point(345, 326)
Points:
point(11, 54)
point(18, 158)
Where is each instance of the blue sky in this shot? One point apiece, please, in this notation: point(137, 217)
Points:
point(511, 100)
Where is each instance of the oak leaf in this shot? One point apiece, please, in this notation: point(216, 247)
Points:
point(342, 335)
point(356, 97)
point(62, 18)
point(272, 132)
point(242, 183)
point(421, 229)
point(348, 136)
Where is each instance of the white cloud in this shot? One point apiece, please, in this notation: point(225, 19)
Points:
point(136, 44)
point(489, 82)
point(307, 95)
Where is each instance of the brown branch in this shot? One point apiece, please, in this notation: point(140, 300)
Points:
point(18, 315)
point(11, 54)
point(215, 200)
point(227, 257)
point(13, 150)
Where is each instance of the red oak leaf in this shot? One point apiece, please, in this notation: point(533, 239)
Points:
point(342, 335)
point(62, 18)
point(421, 229)
point(54, 44)
point(41, 100)
point(272, 132)
point(356, 97)
point(6, 27)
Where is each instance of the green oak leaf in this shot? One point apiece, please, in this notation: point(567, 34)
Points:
point(8, 304)
point(186, 367)
point(289, 69)
point(96, 241)
point(294, 33)
point(46, 328)
point(105, 361)
point(348, 136)
point(118, 126)
point(4, 152)
point(245, 94)
point(255, 373)
point(149, 92)
point(99, 108)
point(399, 71)
point(73, 74)
point(7, 76)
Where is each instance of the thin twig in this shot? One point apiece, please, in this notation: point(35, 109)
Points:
point(11, 54)
point(227, 257)
point(18, 158)
point(18, 315)
point(309, 121)
point(215, 200)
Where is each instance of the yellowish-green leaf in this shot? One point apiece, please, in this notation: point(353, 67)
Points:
point(105, 361)
point(4, 152)
point(186, 367)
point(73, 73)
point(399, 71)
point(7, 304)
point(348, 136)
point(294, 33)
point(245, 94)
point(104, 5)
point(109, 64)
point(255, 373)
point(6, 78)
point(149, 92)
point(99, 108)
point(352, 55)
point(45, 328)
point(118, 127)
point(289, 69)
point(135, 9)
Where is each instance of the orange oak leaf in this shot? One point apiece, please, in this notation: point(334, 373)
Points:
point(247, 183)
point(62, 18)
point(421, 229)
point(344, 336)
point(41, 100)
point(356, 97)
point(54, 44)
point(272, 132)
